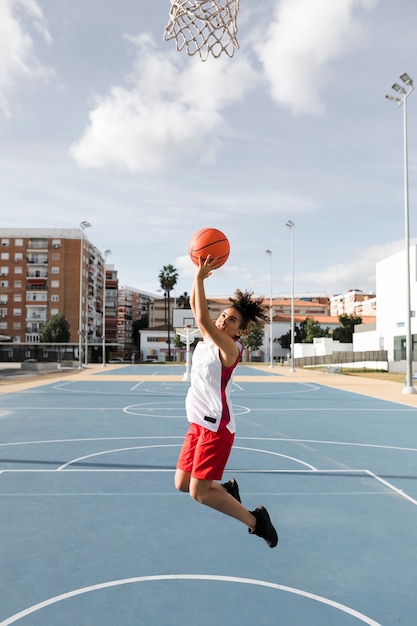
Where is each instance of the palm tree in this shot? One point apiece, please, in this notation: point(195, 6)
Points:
point(168, 277)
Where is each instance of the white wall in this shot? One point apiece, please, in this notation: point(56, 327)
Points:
point(321, 346)
point(391, 298)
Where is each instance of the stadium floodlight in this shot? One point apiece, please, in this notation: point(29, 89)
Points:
point(290, 224)
point(408, 386)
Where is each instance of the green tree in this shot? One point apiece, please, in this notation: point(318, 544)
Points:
point(311, 329)
point(57, 330)
point(254, 340)
point(285, 340)
point(344, 332)
point(143, 322)
point(168, 277)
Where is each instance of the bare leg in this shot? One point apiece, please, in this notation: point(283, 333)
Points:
point(182, 480)
point(212, 494)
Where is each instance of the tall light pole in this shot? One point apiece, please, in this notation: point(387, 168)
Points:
point(103, 333)
point(401, 100)
point(290, 224)
point(271, 357)
point(83, 226)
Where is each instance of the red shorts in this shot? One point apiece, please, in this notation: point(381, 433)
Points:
point(204, 454)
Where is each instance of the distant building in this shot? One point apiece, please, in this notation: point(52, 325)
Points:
point(389, 332)
point(133, 305)
point(41, 271)
point(353, 302)
point(45, 272)
point(112, 304)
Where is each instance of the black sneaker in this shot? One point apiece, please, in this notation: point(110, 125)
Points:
point(232, 488)
point(264, 527)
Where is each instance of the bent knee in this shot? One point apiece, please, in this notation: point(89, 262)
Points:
point(182, 483)
point(198, 493)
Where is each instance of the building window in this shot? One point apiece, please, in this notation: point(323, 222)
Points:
point(17, 297)
point(54, 311)
point(56, 243)
point(3, 298)
point(18, 243)
point(18, 269)
point(3, 312)
point(17, 312)
point(54, 298)
point(4, 283)
point(56, 256)
point(18, 284)
point(18, 256)
point(4, 270)
point(55, 284)
point(17, 325)
point(3, 325)
point(4, 256)
point(4, 242)
point(55, 270)
point(33, 296)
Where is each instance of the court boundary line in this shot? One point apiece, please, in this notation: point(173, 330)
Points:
point(168, 577)
point(315, 472)
point(181, 437)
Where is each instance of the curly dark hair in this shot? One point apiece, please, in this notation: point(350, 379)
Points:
point(252, 310)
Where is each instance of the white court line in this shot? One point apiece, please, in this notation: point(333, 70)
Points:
point(284, 456)
point(231, 579)
point(89, 456)
point(315, 472)
point(29, 443)
point(95, 454)
point(137, 385)
point(399, 492)
point(178, 400)
point(167, 437)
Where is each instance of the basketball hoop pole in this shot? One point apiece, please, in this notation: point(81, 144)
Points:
point(187, 332)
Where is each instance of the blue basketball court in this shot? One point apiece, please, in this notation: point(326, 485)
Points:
point(95, 534)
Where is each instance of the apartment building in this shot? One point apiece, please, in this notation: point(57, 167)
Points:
point(45, 272)
point(133, 305)
point(353, 302)
point(111, 304)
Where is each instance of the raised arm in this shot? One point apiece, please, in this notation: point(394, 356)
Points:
point(227, 346)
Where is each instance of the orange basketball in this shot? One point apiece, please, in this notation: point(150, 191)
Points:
point(209, 241)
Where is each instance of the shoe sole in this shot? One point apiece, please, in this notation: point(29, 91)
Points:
point(267, 521)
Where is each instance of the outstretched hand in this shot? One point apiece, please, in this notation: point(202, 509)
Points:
point(206, 266)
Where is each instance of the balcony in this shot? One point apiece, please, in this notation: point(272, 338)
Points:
point(37, 259)
point(39, 244)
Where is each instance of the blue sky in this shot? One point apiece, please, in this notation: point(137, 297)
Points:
point(102, 120)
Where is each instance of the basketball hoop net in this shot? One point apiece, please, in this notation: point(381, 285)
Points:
point(204, 26)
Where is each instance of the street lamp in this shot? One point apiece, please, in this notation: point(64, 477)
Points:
point(271, 358)
point(290, 224)
point(401, 100)
point(103, 334)
point(83, 226)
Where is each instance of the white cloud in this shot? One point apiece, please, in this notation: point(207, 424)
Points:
point(300, 42)
point(17, 56)
point(357, 274)
point(166, 111)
